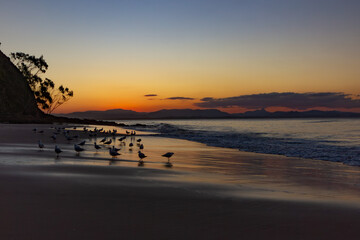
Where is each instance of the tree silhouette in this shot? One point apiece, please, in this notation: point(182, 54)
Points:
point(46, 95)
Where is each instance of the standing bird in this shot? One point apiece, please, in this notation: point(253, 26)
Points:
point(108, 142)
point(130, 146)
point(78, 149)
point(82, 143)
point(53, 137)
point(115, 149)
point(168, 155)
point(41, 145)
point(141, 156)
point(103, 140)
point(68, 137)
point(113, 153)
point(57, 150)
point(97, 147)
point(122, 140)
point(141, 146)
point(139, 140)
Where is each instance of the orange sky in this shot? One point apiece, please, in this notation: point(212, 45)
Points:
point(113, 83)
point(113, 53)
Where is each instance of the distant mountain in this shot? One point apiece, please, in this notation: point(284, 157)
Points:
point(106, 115)
point(295, 114)
point(254, 114)
point(162, 114)
point(118, 114)
point(188, 113)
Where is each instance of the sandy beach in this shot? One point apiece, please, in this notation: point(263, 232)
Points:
point(209, 193)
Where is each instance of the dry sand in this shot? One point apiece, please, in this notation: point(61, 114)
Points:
point(42, 197)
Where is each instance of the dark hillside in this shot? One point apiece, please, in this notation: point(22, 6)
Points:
point(16, 99)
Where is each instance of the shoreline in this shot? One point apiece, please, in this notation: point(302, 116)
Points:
point(210, 193)
point(316, 148)
point(229, 165)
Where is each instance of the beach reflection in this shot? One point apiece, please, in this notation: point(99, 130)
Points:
point(262, 175)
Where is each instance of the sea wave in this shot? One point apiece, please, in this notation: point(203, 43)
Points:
point(258, 143)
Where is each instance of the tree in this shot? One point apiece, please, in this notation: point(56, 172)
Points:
point(47, 96)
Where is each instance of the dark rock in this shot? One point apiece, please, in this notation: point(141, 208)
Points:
point(16, 98)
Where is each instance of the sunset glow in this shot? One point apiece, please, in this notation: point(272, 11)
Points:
point(112, 54)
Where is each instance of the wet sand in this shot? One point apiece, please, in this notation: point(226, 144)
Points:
point(210, 193)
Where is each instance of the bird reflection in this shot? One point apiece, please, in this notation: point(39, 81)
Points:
point(168, 165)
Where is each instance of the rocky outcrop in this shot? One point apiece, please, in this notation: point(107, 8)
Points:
point(16, 98)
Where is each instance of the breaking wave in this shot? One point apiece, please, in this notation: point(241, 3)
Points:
point(260, 143)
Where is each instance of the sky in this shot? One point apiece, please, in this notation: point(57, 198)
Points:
point(192, 54)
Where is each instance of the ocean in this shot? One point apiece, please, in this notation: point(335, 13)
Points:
point(336, 140)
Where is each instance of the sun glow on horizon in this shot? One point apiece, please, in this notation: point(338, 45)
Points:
point(187, 49)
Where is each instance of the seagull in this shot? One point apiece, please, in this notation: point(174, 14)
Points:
point(141, 156)
point(141, 146)
point(113, 153)
point(78, 149)
point(115, 149)
point(96, 146)
point(57, 150)
point(168, 155)
point(41, 145)
point(108, 142)
point(69, 138)
point(82, 143)
point(130, 146)
point(114, 133)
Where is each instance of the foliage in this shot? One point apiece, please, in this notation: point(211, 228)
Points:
point(46, 94)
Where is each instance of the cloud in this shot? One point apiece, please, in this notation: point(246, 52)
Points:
point(150, 95)
point(179, 98)
point(293, 100)
point(207, 99)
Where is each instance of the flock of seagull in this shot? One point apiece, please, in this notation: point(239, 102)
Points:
point(113, 151)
